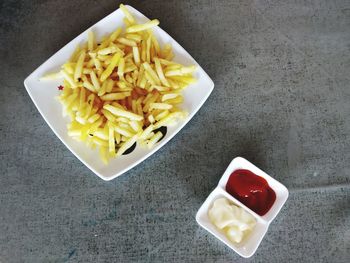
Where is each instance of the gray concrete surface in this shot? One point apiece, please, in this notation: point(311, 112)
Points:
point(281, 100)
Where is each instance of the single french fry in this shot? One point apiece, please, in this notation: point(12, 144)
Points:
point(74, 133)
point(148, 49)
point(146, 132)
point(124, 131)
point(155, 44)
point(123, 113)
point(111, 140)
point(117, 137)
point(160, 106)
point(52, 76)
point(185, 79)
point(179, 99)
point(103, 58)
point(95, 81)
point(87, 84)
point(93, 118)
point(136, 55)
point(102, 90)
point(103, 152)
point(111, 66)
point(181, 71)
point(101, 133)
point(69, 67)
point(169, 96)
point(79, 66)
point(69, 79)
point(115, 34)
point(90, 102)
point(82, 97)
point(109, 85)
point(161, 115)
point(151, 118)
point(149, 69)
point(91, 41)
point(135, 125)
point(115, 96)
point(108, 115)
point(130, 67)
point(129, 79)
point(160, 88)
point(127, 144)
point(154, 139)
point(100, 142)
point(143, 50)
point(135, 37)
point(150, 79)
point(121, 66)
point(169, 118)
point(95, 125)
point(160, 73)
point(142, 27)
point(172, 67)
point(127, 42)
point(86, 71)
point(109, 50)
point(127, 14)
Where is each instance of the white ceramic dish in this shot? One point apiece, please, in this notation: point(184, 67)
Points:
point(250, 244)
point(43, 94)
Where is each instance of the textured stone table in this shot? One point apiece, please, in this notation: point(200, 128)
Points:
point(281, 100)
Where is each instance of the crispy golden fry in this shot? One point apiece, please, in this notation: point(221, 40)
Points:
point(111, 66)
point(127, 14)
point(127, 42)
point(151, 72)
point(136, 54)
point(160, 106)
point(79, 66)
point(169, 96)
point(181, 71)
point(154, 139)
point(146, 132)
point(119, 112)
point(111, 140)
point(91, 41)
point(142, 27)
point(137, 38)
point(121, 67)
point(115, 96)
point(52, 76)
point(127, 144)
point(69, 78)
point(160, 72)
point(109, 50)
point(95, 81)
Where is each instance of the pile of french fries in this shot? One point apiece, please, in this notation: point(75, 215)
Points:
point(118, 91)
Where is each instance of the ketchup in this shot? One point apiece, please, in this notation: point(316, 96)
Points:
point(252, 190)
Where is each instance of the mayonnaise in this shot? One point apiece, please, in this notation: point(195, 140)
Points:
point(232, 220)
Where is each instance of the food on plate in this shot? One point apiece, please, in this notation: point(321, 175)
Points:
point(119, 90)
point(252, 190)
point(232, 220)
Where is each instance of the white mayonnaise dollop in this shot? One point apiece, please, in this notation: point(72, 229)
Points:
point(233, 220)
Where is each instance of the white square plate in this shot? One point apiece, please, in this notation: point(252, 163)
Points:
point(43, 94)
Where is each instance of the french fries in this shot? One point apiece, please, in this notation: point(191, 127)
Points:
point(120, 90)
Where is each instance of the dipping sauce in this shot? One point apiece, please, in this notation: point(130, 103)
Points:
point(232, 220)
point(252, 190)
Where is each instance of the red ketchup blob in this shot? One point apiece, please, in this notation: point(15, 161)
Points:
point(252, 190)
